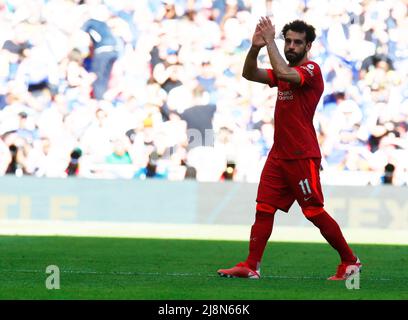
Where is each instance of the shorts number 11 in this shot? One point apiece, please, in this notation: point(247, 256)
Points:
point(304, 184)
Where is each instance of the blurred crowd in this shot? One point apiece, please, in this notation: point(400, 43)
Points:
point(153, 89)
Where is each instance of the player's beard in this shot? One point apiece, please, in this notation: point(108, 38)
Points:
point(294, 57)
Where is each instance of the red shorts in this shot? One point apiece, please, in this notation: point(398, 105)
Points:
point(284, 181)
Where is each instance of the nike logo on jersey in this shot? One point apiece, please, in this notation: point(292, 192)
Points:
point(306, 198)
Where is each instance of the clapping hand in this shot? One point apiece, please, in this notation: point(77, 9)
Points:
point(267, 29)
point(257, 39)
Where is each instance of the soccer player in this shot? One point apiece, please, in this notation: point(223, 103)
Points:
point(291, 171)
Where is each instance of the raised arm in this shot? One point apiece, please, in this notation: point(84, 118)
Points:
point(251, 71)
point(280, 68)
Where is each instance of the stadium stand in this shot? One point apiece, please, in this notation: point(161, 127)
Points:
point(109, 98)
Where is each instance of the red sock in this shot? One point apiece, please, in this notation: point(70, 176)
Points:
point(330, 230)
point(260, 232)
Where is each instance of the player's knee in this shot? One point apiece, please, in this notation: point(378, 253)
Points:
point(265, 208)
point(311, 212)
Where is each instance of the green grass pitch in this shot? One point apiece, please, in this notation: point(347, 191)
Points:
point(116, 268)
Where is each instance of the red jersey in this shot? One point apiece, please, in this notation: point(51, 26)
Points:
point(295, 136)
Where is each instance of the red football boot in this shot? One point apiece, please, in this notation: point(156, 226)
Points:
point(345, 270)
point(241, 270)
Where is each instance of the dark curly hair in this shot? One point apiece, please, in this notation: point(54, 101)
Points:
point(300, 26)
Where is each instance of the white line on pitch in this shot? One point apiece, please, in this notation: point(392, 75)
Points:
point(124, 273)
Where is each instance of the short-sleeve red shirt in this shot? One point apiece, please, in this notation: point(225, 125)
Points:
point(295, 136)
